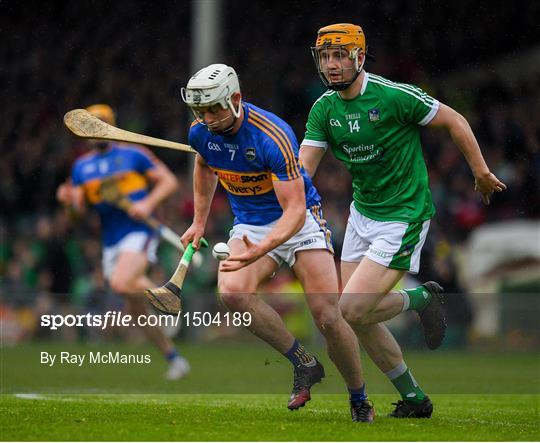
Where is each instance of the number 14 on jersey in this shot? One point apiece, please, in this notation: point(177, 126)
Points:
point(354, 126)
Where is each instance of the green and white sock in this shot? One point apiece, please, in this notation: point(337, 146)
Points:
point(405, 383)
point(415, 299)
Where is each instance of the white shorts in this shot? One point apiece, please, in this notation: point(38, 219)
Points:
point(313, 235)
point(135, 242)
point(396, 245)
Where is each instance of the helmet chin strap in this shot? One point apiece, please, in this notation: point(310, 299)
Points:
point(343, 86)
point(222, 121)
point(235, 114)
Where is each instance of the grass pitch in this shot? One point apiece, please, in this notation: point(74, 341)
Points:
point(239, 392)
point(231, 417)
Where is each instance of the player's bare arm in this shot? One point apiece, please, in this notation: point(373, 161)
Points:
point(164, 183)
point(485, 181)
point(204, 187)
point(292, 199)
point(310, 157)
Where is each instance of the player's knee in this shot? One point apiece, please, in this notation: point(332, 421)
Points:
point(326, 317)
point(355, 314)
point(235, 301)
point(235, 286)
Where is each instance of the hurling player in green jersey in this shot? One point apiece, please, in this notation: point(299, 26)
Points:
point(372, 125)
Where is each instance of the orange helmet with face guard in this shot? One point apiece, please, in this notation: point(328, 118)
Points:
point(103, 112)
point(344, 36)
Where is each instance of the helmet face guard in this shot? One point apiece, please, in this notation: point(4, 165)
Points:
point(345, 38)
point(212, 86)
point(224, 103)
point(215, 127)
point(322, 54)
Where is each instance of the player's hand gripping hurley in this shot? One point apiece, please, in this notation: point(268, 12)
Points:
point(167, 297)
point(85, 125)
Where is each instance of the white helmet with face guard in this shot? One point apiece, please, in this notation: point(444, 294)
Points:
point(211, 86)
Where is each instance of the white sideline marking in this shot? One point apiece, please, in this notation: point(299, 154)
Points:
point(31, 396)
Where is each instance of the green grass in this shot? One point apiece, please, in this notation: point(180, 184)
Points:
point(253, 368)
point(259, 417)
point(239, 392)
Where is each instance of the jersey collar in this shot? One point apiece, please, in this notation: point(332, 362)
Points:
point(362, 88)
point(364, 83)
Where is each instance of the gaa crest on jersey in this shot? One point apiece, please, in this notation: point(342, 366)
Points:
point(214, 147)
point(250, 154)
point(374, 115)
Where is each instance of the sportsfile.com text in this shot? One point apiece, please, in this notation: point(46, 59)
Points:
point(111, 319)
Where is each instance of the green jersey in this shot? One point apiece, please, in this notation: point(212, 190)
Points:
point(377, 136)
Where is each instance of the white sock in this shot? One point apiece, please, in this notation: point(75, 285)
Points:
point(397, 371)
point(406, 301)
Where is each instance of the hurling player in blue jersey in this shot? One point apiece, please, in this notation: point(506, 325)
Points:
point(128, 243)
point(278, 219)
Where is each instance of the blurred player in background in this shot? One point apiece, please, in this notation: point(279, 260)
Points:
point(372, 126)
point(128, 243)
point(278, 218)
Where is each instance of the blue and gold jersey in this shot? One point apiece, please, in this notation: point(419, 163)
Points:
point(127, 166)
point(263, 150)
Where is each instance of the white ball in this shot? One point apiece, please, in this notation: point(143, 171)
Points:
point(221, 251)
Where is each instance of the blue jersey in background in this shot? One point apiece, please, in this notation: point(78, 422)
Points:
point(128, 166)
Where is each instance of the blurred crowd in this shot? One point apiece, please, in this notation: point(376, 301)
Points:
point(58, 56)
